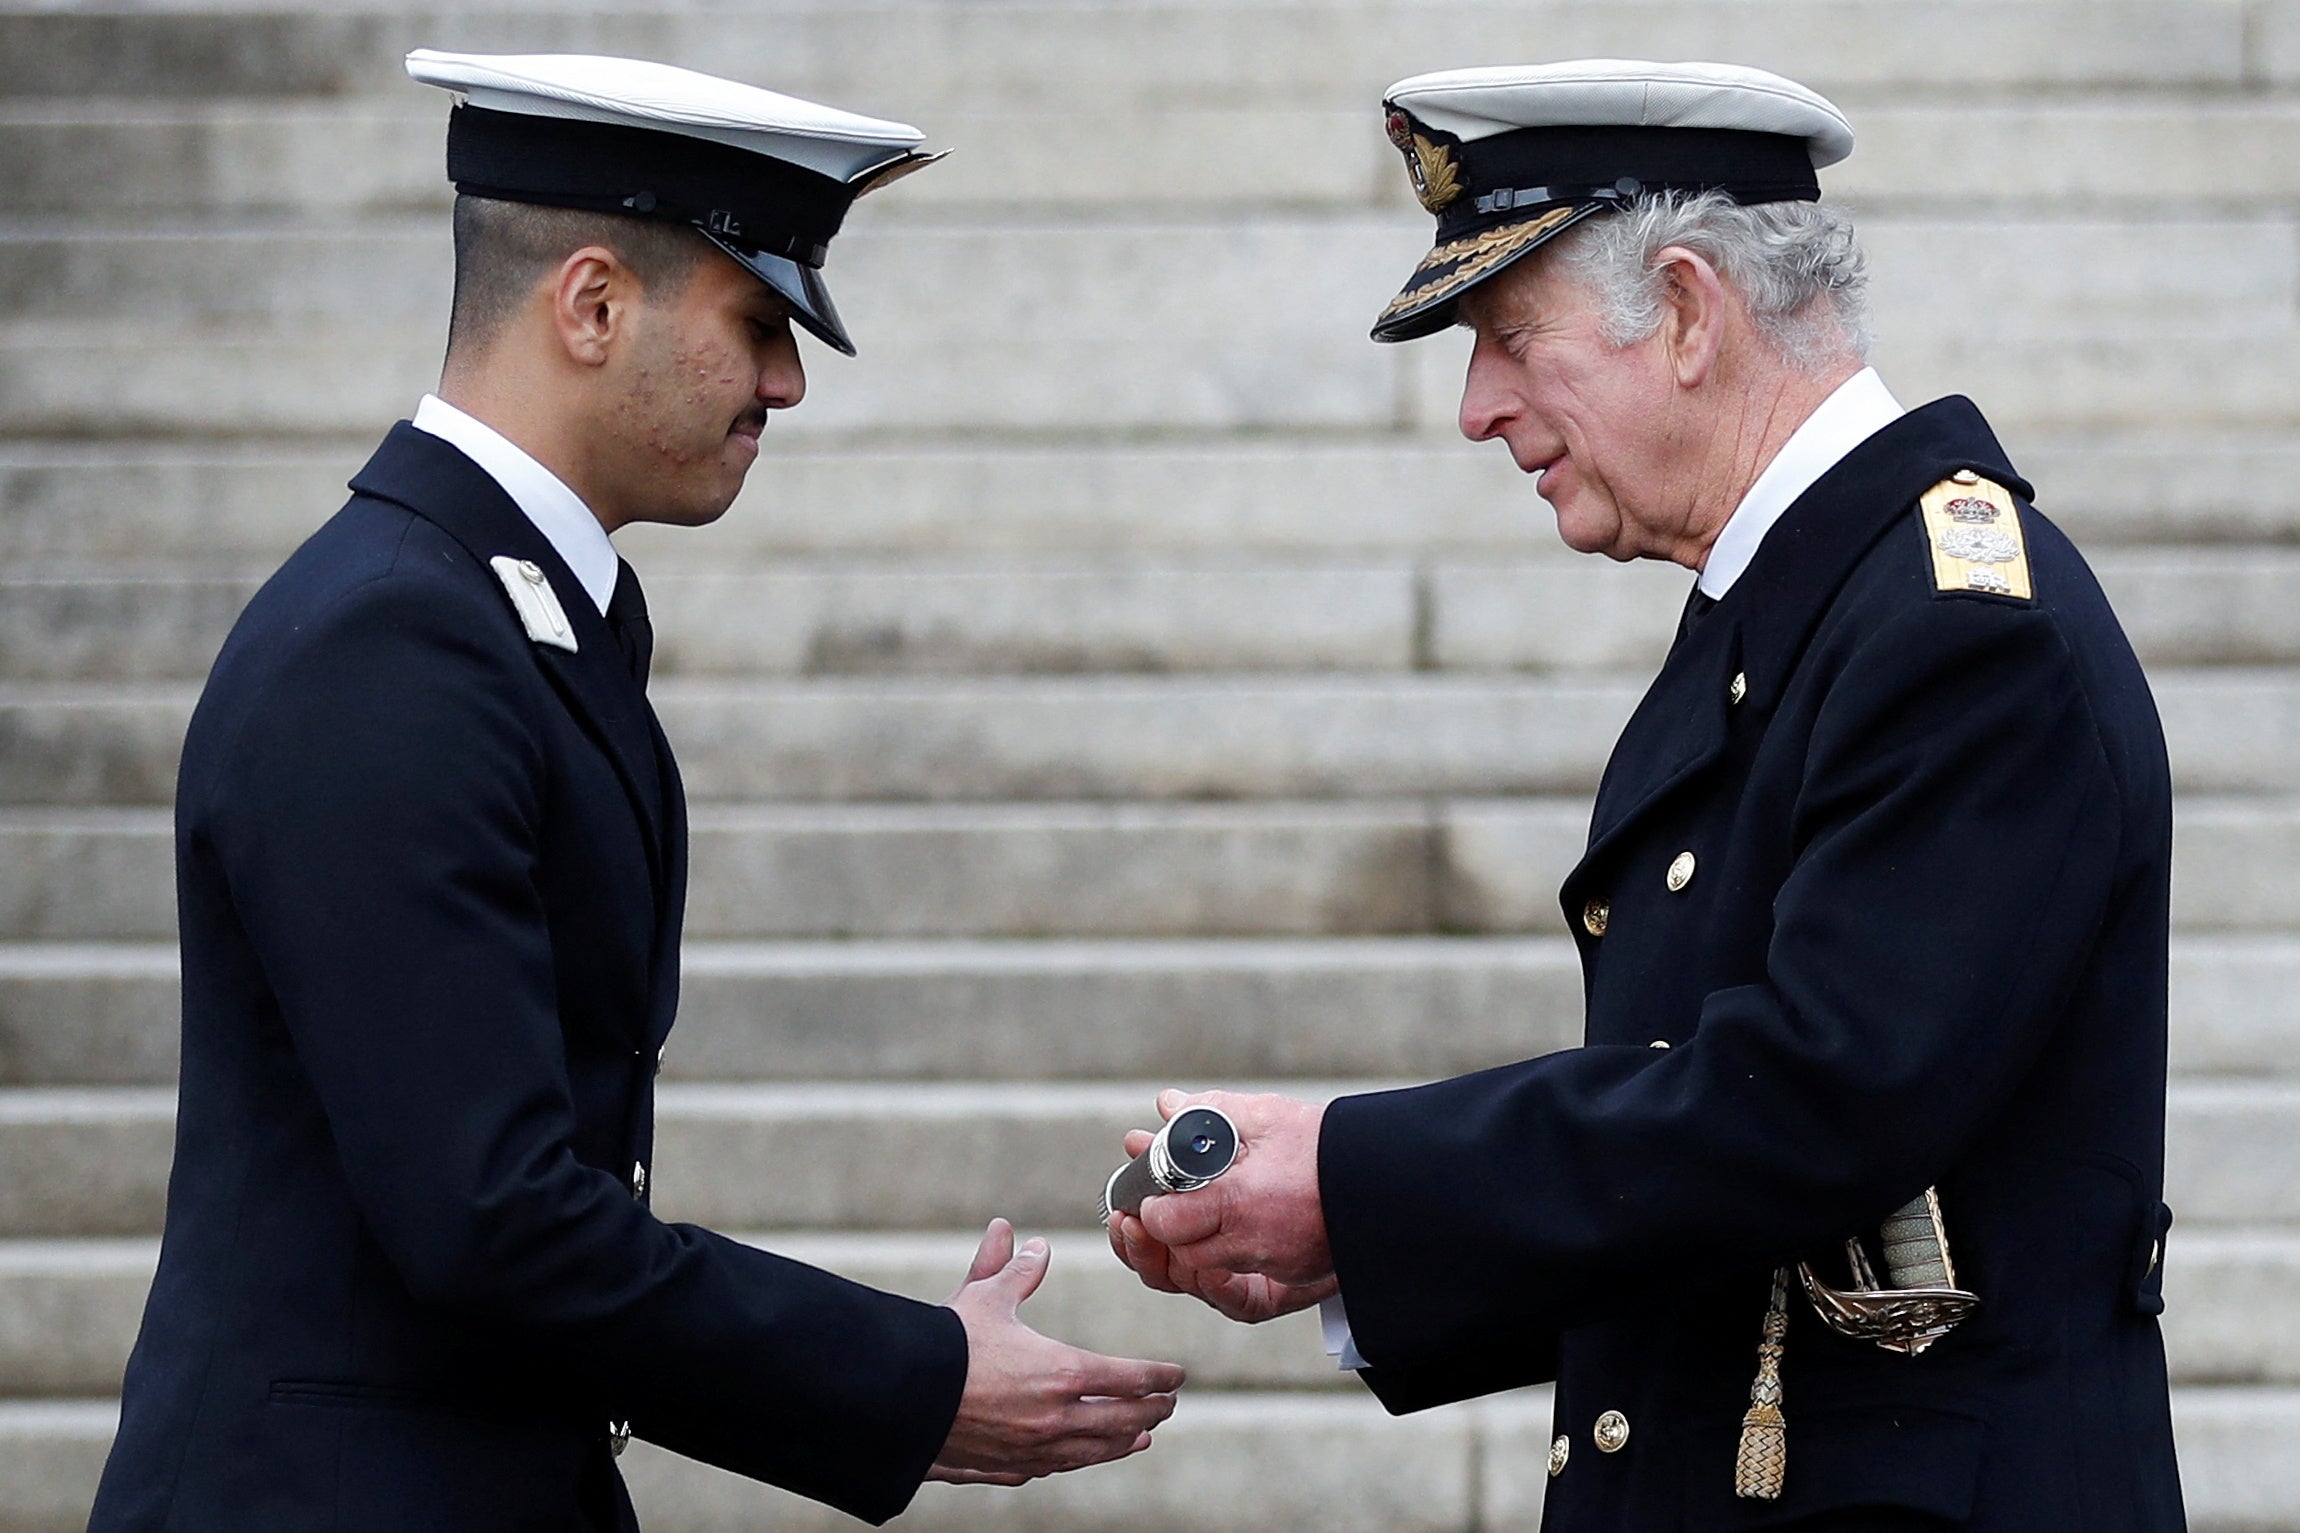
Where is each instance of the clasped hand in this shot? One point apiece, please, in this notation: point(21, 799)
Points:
point(1253, 1244)
point(1034, 1406)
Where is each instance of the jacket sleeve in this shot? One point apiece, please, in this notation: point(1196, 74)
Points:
point(379, 834)
point(1955, 838)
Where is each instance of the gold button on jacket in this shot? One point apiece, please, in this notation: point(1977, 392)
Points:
point(1681, 872)
point(1594, 915)
point(1559, 1452)
point(1611, 1432)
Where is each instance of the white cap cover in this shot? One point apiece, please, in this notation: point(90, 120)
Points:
point(1472, 104)
point(1509, 158)
point(766, 177)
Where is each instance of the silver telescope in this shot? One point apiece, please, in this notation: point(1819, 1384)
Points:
point(1193, 1148)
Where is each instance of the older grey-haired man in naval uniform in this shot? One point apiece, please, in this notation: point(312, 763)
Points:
point(1847, 1215)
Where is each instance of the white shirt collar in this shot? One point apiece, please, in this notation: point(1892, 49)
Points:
point(1858, 409)
point(557, 512)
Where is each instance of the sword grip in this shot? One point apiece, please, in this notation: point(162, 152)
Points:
point(1916, 1246)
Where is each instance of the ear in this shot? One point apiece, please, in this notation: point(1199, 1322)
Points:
point(1695, 307)
point(593, 296)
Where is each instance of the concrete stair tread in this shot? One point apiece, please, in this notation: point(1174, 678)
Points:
point(982, 615)
point(1082, 870)
point(69, 1308)
point(1271, 1459)
point(1154, 54)
point(1054, 1009)
point(1273, 357)
point(237, 506)
point(841, 1154)
point(2165, 277)
point(1265, 735)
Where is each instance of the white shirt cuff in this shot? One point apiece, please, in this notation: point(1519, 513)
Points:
point(1340, 1345)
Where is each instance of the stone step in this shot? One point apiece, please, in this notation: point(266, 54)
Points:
point(2179, 605)
point(1046, 1010)
point(2228, 275)
point(89, 1161)
point(2231, 730)
point(1278, 355)
point(1273, 1460)
point(232, 509)
point(2161, 151)
point(768, 871)
point(1553, 612)
point(69, 1309)
point(74, 1014)
point(2073, 382)
point(983, 616)
point(904, 58)
point(1099, 737)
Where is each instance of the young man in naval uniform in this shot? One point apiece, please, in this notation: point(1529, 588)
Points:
point(1872, 919)
point(432, 859)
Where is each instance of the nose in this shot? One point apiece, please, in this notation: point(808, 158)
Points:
point(1486, 402)
point(782, 375)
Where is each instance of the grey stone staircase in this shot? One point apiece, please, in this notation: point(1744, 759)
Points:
point(1120, 675)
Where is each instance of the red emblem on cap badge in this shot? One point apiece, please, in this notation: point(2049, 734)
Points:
point(1431, 166)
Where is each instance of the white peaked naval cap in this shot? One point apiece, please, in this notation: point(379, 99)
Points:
point(766, 177)
point(1473, 104)
point(1510, 157)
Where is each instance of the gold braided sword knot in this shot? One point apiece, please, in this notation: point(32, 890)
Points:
point(1762, 1466)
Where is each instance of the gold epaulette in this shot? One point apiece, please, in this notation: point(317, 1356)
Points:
point(1973, 529)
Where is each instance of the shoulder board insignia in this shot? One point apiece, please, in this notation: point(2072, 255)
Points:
point(1972, 528)
point(534, 600)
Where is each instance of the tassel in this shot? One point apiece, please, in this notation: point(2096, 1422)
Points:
point(1762, 1466)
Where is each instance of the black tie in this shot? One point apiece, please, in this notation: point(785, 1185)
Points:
point(627, 620)
point(1696, 608)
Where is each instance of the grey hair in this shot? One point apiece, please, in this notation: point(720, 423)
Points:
point(1796, 265)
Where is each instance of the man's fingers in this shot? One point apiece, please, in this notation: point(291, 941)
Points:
point(1179, 1219)
point(950, 1476)
point(1123, 1378)
point(1143, 1256)
point(1170, 1102)
point(1083, 1452)
point(1019, 1278)
point(995, 1251)
point(1115, 1419)
point(1137, 1140)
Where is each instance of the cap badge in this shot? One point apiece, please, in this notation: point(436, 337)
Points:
point(1431, 165)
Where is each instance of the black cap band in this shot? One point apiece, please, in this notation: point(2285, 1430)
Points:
point(1509, 174)
point(748, 200)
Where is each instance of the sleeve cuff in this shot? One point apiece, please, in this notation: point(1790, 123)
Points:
point(1340, 1345)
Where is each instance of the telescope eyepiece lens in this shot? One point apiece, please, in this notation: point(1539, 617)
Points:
point(1201, 1143)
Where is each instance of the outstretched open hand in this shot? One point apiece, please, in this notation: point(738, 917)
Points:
point(1035, 1406)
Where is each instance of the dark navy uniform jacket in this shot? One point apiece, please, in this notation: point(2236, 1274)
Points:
point(1923, 943)
point(431, 876)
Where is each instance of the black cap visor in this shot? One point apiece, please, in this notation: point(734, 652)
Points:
point(1509, 195)
point(1432, 295)
point(802, 287)
point(776, 219)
